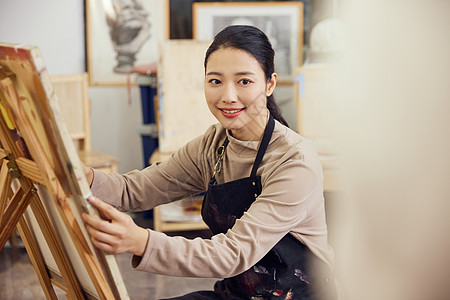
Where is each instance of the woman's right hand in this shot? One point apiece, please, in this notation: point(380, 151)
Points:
point(116, 232)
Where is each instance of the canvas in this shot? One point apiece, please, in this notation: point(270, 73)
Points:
point(182, 110)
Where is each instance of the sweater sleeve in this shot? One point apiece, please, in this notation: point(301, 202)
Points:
point(290, 192)
point(176, 178)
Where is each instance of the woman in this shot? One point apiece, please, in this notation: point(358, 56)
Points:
point(264, 196)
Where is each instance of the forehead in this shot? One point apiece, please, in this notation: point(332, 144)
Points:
point(232, 59)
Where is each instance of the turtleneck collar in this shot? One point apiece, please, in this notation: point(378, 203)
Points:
point(248, 147)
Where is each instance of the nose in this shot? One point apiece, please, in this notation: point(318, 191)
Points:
point(229, 94)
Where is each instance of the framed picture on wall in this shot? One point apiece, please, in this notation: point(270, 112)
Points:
point(122, 34)
point(281, 21)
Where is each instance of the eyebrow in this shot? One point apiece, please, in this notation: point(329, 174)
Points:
point(236, 74)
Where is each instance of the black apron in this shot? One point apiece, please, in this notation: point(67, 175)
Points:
point(289, 271)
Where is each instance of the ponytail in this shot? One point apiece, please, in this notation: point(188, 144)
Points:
point(275, 110)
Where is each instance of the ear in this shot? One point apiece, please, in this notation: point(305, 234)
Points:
point(271, 84)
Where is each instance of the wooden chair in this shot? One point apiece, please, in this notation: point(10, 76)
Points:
point(72, 91)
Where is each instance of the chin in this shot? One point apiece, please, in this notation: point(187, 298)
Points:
point(229, 125)
point(233, 124)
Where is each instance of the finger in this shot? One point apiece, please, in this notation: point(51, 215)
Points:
point(99, 224)
point(101, 236)
point(102, 246)
point(102, 215)
point(105, 242)
point(104, 208)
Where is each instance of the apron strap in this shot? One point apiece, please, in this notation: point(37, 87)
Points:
point(218, 165)
point(221, 149)
point(264, 144)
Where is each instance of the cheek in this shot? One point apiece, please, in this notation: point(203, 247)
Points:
point(211, 95)
point(208, 98)
point(256, 99)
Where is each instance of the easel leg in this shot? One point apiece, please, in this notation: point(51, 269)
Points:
point(12, 214)
point(36, 259)
point(5, 182)
point(13, 238)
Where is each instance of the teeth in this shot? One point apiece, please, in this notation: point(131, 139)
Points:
point(231, 111)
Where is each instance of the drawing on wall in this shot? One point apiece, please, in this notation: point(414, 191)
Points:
point(129, 29)
point(281, 22)
point(122, 34)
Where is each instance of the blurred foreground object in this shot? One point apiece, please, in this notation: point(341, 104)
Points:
point(328, 41)
point(391, 124)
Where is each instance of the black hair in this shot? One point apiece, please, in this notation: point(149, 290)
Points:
point(255, 42)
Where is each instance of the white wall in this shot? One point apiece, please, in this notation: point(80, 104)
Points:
point(57, 28)
point(114, 125)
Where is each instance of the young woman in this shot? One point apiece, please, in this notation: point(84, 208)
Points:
point(264, 196)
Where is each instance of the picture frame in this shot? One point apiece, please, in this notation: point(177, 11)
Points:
point(282, 22)
point(36, 144)
point(119, 37)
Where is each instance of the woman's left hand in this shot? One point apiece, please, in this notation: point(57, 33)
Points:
point(117, 233)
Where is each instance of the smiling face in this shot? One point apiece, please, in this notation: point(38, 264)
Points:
point(236, 91)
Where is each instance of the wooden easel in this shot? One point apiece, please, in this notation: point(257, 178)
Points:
point(20, 179)
point(13, 206)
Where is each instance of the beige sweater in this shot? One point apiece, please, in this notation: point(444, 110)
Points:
point(291, 201)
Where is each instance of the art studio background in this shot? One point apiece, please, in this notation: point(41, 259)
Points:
point(58, 29)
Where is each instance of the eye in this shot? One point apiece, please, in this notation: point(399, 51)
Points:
point(244, 81)
point(214, 81)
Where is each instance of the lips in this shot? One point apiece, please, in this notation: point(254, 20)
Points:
point(231, 113)
point(228, 111)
